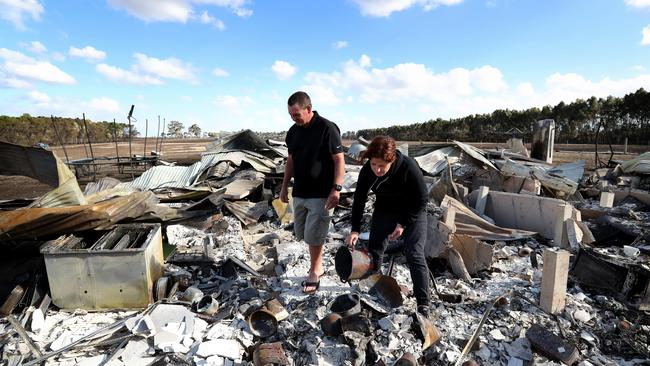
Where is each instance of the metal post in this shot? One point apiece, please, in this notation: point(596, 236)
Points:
point(161, 139)
point(625, 151)
point(130, 137)
point(56, 130)
point(146, 129)
point(117, 151)
point(158, 134)
point(82, 140)
point(92, 155)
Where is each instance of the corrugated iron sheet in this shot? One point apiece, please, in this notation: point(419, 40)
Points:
point(259, 162)
point(639, 165)
point(28, 161)
point(246, 140)
point(167, 176)
point(32, 223)
point(186, 177)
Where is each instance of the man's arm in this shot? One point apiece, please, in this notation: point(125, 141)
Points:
point(288, 174)
point(339, 173)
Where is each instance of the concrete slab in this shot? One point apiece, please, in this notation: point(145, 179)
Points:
point(525, 212)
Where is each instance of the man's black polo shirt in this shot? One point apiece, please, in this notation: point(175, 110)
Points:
point(312, 147)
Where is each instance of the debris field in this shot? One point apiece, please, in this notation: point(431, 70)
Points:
point(531, 263)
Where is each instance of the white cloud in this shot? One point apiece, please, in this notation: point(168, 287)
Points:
point(38, 71)
point(97, 108)
point(39, 97)
point(11, 55)
point(233, 104)
point(206, 18)
point(525, 89)
point(58, 56)
point(364, 61)
point(169, 68)
point(122, 76)
point(149, 71)
point(323, 94)
point(638, 68)
point(89, 53)
point(186, 98)
point(15, 11)
point(339, 45)
point(645, 32)
point(18, 70)
point(13, 83)
point(176, 10)
point(220, 73)
point(638, 3)
point(489, 79)
point(453, 93)
point(37, 47)
point(283, 70)
point(104, 104)
point(384, 8)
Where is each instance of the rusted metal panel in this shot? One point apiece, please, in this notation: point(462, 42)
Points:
point(43, 222)
point(106, 278)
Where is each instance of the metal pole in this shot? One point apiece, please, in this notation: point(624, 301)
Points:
point(158, 134)
point(130, 137)
point(625, 151)
point(92, 155)
point(146, 129)
point(56, 130)
point(161, 139)
point(82, 140)
point(117, 151)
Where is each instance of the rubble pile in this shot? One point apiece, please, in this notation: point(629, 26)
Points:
point(531, 263)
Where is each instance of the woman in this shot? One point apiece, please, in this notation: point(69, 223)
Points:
point(399, 210)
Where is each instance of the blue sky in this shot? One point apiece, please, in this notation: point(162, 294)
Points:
point(231, 64)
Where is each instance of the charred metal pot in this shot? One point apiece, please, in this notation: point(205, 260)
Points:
point(352, 264)
point(270, 354)
point(407, 359)
point(346, 304)
point(208, 305)
point(331, 325)
point(262, 323)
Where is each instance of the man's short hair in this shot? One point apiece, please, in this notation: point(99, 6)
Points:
point(301, 98)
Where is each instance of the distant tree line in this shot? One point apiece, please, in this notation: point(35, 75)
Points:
point(610, 120)
point(29, 130)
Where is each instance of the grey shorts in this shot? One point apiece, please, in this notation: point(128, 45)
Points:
point(311, 221)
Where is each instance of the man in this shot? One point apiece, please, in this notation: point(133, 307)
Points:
point(399, 211)
point(317, 166)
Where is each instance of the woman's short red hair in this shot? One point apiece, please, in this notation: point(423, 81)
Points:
point(382, 147)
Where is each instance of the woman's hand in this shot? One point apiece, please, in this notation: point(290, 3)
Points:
point(399, 229)
point(352, 239)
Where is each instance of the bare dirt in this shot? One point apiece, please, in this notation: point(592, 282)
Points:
point(187, 151)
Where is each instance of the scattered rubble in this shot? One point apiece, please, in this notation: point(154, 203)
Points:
point(531, 264)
